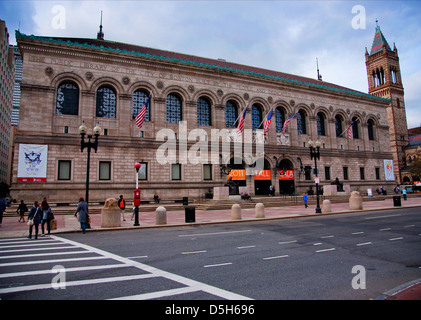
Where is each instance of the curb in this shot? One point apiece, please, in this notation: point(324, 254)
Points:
point(402, 289)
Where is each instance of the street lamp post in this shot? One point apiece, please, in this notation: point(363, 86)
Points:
point(90, 145)
point(136, 198)
point(315, 153)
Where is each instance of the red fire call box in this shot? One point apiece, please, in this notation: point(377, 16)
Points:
point(136, 199)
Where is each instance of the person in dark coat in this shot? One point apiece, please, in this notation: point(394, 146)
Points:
point(35, 214)
point(82, 209)
point(21, 211)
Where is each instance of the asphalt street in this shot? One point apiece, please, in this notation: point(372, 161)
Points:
point(348, 256)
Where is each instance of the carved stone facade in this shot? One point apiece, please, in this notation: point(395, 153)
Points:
point(89, 65)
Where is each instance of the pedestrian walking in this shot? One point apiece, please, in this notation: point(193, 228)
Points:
point(2, 209)
point(404, 194)
point(21, 211)
point(47, 216)
point(305, 200)
point(122, 206)
point(34, 219)
point(82, 209)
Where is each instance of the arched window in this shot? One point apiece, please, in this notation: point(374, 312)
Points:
point(67, 99)
point(106, 102)
point(231, 113)
point(139, 99)
point(301, 122)
point(355, 133)
point(256, 117)
point(338, 125)
point(203, 112)
point(174, 114)
point(321, 131)
point(370, 128)
point(279, 118)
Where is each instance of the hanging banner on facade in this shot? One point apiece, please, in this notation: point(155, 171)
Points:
point(286, 175)
point(32, 163)
point(237, 174)
point(262, 175)
point(389, 175)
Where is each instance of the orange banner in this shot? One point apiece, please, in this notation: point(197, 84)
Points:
point(286, 175)
point(262, 175)
point(237, 174)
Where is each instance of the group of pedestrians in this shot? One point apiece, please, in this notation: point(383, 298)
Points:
point(37, 215)
point(43, 215)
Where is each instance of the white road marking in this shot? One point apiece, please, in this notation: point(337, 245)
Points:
point(324, 250)
point(380, 217)
point(317, 244)
point(199, 286)
point(385, 229)
point(218, 265)
point(394, 239)
point(409, 226)
point(364, 244)
point(246, 247)
point(194, 252)
point(285, 242)
point(212, 233)
point(326, 237)
point(158, 294)
point(277, 257)
point(359, 232)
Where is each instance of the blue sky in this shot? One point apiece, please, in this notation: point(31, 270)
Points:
point(286, 36)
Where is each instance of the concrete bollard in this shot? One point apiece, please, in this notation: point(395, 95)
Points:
point(326, 206)
point(161, 215)
point(236, 212)
point(260, 210)
point(110, 214)
point(355, 201)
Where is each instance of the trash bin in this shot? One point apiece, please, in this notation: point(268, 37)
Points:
point(185, 201)
point(396, 201)
point(190, 214)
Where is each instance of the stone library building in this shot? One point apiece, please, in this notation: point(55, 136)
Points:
point(67, 82)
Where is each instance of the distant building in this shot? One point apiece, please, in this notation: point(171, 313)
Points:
point(412, 153)
point(7, 74)
point(16, 89)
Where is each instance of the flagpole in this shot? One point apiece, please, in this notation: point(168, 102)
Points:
point(265, 117)
point(238, 117)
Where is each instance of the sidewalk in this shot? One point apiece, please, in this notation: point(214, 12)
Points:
point(68, 223)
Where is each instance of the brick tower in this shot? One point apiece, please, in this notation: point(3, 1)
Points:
point(384, 80)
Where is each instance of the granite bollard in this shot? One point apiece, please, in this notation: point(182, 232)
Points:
point(236, 212)
point(260, 210)
point(110, 214)
point(161, 215)
point(355, 201)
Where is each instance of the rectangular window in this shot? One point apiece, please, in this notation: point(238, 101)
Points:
point(327, 173)
point(345, 173)
point(207, 172)
point(64, 170)
point(176, 171)
point(377, 173)
point(105, 170)
point(143, 171)
point(307, 172)
point(362, 174)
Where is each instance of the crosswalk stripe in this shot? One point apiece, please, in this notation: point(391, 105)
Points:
point(77, 283)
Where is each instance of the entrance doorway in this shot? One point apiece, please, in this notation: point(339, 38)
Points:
point(262, 179)
point(286, 177)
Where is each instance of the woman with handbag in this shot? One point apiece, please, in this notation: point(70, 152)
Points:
point(47, 216)
point(82, 209)
point(34, 219)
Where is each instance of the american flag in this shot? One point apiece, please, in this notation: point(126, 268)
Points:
point(286, 123)
point(349, 129)
point(141, 115)
point(241, 122)
point(267, 122)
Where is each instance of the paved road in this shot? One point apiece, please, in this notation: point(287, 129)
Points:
point(308, 258)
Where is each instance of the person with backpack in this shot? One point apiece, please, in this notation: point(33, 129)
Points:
point(122, 206)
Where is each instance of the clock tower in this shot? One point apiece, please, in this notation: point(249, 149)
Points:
point(384, 80)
